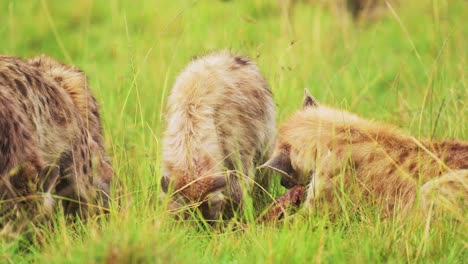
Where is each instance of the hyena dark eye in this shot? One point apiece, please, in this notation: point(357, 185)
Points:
point(280, 163)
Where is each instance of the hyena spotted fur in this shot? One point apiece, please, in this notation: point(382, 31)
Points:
point(50, 139)
point(325, 148)
point(220, 127)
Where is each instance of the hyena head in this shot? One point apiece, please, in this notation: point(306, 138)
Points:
point(192, 185)
point(291, 158)
point(75, 83)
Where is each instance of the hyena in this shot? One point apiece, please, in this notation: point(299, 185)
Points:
point(358, 9)
point(50, 139)
point(220, 127)
point(369, 9)
point(325, 149)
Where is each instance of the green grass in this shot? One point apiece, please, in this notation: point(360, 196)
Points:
point(409, 68)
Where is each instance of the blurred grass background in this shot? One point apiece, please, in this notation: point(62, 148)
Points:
point(407, 67)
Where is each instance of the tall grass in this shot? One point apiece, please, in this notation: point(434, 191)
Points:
point(408, 68)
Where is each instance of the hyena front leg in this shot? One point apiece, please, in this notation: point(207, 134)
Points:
point(314, 190)
point(448, 192)
point(76, 180)
point(66, 187)
point(320, 185)
point(261, 190)
point(251, 181)
point(233, 200)
point(20, 162)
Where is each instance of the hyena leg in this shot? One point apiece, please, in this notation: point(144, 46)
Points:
point(20, 162)
point(67, 182)
point(450, 192)
point(76, 181)
point(233, 200)
point(18, 183)
point(16, 210)
point(256, 183)
point(261, 188)
point(319, 187)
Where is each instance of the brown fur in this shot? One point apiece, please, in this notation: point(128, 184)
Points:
point(50, 134)
point(220, 116)
point(317, 144)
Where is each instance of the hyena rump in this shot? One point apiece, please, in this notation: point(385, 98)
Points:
point(325, 148)
point(50, 138)
point(220, 126)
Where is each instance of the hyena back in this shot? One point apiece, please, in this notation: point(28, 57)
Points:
point(319, 143)
point(220, 126)
point(50, 137)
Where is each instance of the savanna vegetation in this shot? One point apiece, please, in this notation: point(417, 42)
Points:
point(407, 67)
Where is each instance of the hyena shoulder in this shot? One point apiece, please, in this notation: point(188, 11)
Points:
point(75, 83)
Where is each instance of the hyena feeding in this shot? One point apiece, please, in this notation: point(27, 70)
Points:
point(220, 126)
point(50, 139)
point(331, 150)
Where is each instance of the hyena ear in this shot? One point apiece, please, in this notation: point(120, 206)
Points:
point(280, 163)
point(309, 100)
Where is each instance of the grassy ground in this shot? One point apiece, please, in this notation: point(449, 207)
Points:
point(409, 68)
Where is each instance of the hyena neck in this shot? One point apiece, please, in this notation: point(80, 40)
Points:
point(376, 148)
point(71, 79)
point(373, 145)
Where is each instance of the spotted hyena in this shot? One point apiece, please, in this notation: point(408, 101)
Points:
point(327, 149)
point(50, 138)
point(220, 126)
point(357, 9)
